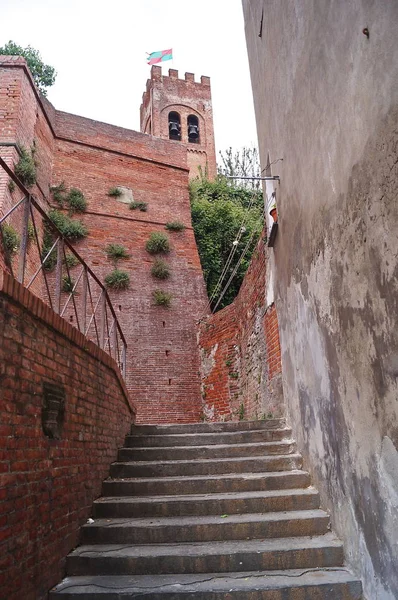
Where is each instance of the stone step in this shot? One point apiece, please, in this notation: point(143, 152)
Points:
point(232, 482)
point(206, 557)
point(315, 584)
point(213, 451)
point(206, 504)
point(205, 466)
point(208, 427)
point(205, 439)
point(205, 528)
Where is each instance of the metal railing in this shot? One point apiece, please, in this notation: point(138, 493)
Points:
point(67, 284)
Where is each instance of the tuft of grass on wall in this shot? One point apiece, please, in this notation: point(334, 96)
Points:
point(72, 229)
point(67, 284)
point(160, 269)
point(76, 201)
point(58, 193)
point(116, 251)
point(25, 168)
point(161, 298)
point(115, 192)
point(117, 280)
point(158, 243)
point(142, 206)
point(10, 238)
point(175, 226)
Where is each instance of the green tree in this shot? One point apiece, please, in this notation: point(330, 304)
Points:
point(43, 75)
point(223, 212)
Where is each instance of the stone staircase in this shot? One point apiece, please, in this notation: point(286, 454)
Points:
point(213, 511)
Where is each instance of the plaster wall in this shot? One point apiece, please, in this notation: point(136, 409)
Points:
point(326, 101)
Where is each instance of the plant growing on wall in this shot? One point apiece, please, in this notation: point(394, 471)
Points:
point(175, 226)
point(58, 192)
point(161, 298)
point(116, 252)
point(71, 260)
point(142, 206)
point(76, 201)
point(158, 243)
point(11, 186)
point(117, 280)
point(25, 168)
point(72, 229)
point(45, 249)
point(115, 192)
point(10, 238)
point(160, 269)
point(67, 284)
point(43, 75)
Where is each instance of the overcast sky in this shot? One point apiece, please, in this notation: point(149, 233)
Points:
point(99, 50)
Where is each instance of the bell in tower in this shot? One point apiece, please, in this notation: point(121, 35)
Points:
point(193, 129)
point(174, 126)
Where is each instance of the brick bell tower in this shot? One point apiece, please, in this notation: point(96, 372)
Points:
point(181, 110)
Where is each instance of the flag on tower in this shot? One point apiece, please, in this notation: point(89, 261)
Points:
point(157, 57)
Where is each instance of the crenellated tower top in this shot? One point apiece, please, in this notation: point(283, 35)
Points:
point(181, 110)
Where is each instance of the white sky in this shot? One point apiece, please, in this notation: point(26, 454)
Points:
point(99, 50)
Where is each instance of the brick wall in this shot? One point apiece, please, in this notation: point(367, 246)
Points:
point(240, 352)
point(163, 360)
point(47, 486)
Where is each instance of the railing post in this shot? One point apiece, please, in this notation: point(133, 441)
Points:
point(84, 301)
point(114, 338)
point(58, 275)
point(24, 241)
point(103, 319)
point(124, 360)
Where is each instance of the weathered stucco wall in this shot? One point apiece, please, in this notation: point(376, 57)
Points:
point(240, 352)
point(326, 99)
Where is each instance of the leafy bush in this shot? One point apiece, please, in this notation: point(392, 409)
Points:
point(158, 243)
point(219, 208)
point(25, 169)
point(76, 201)
point(117, 280)
point(10, 238)
point(142, 206)
point(160, 269)
point(72, 229)
point(161, 298)
point(43, 75)
point(115, 192)
point(116, 252)
point(175, 226)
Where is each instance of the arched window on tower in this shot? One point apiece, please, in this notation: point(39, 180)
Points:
point(174, 126)
point(193, 129)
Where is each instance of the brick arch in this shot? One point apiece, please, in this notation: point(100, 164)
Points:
point(183, 110)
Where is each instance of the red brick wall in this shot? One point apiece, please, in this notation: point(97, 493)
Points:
point(240, 352)
point(47, 486)
point(163, 360)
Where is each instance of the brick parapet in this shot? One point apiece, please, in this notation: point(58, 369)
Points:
point(47, 486)
point(10, 287)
